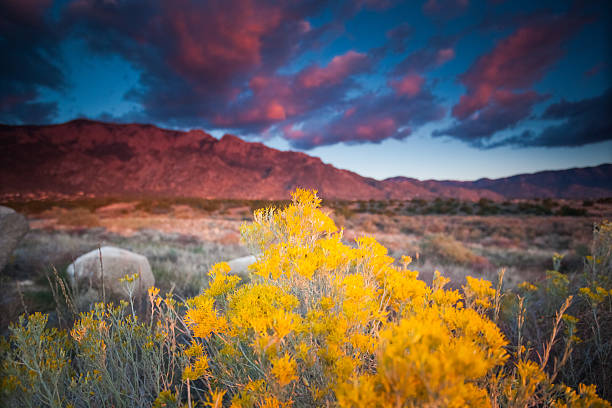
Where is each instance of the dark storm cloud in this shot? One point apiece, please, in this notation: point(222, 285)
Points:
point(582, 122)
point(503, 111)
point(29, 48)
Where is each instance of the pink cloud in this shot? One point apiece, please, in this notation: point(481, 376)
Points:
point(276, 98)
point(233, 36)
point(291, 133)
point(515, 63)
point(275, 111)
point(444, 55)
point(410, 85)
point(429, 57)
point(349, 112)
point(259, 83)
point(335, 72)
point(376, 129)
point(198, 51)
point(371, 119)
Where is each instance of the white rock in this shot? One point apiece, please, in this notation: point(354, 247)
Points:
point(13, 227)
point(240, 266)
point(85, 272)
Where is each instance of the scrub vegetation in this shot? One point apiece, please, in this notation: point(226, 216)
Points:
point(326, 321)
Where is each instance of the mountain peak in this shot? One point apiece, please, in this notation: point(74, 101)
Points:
point(231, 139)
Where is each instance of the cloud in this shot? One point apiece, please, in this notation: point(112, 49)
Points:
point(595, 69)
point(504, 111)
point(371, 118)
point(30, 48)
point(335, 72)
point(227, 63)
point(275, 98)
point(499, 83)
point(410, 85)
point(445, 9)
point(217, 63)
point(196, 57)
point(437, 52)
point(398, 37)
point(27, 112)
point(515, 63)
point(582, 122)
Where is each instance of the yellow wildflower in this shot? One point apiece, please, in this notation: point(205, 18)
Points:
point(284, 370)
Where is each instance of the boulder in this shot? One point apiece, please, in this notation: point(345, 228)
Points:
point(85, 272)
point(13, 227)
point(240, 266)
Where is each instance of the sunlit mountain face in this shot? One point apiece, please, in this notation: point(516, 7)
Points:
point(444, 89)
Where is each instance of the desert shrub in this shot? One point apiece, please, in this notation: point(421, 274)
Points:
point(78, 217)
point(442, 206)
point(155, 206)
point(200, 203)
point(344, 211)
point(534, 208)
point(108, 358)
point(487, 207)
point(549, 203)
point(258, 204)
point(319, 323)
point(466, 208)
point(418, 202)
point(448, 250)
point(590, 313)
point(325, 324)
point(568, 211)
point(42, 205)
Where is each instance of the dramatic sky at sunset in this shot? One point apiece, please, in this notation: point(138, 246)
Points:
point(457, 89)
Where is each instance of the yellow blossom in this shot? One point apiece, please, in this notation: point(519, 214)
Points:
point(284, 370)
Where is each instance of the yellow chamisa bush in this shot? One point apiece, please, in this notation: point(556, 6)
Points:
point(110, 358)
point(322, 323)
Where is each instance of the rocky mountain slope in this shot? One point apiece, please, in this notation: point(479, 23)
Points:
point(85, 157)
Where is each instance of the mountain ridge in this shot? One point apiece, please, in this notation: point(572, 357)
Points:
point(86, 157)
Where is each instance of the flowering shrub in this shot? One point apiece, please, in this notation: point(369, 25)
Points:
point(588, 320)
point(109, 358)
point(322, 323)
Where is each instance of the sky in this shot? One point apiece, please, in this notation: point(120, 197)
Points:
point(430, 89)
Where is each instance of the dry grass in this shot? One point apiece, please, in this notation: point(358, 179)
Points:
point(78, 217)
point(448, 250)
